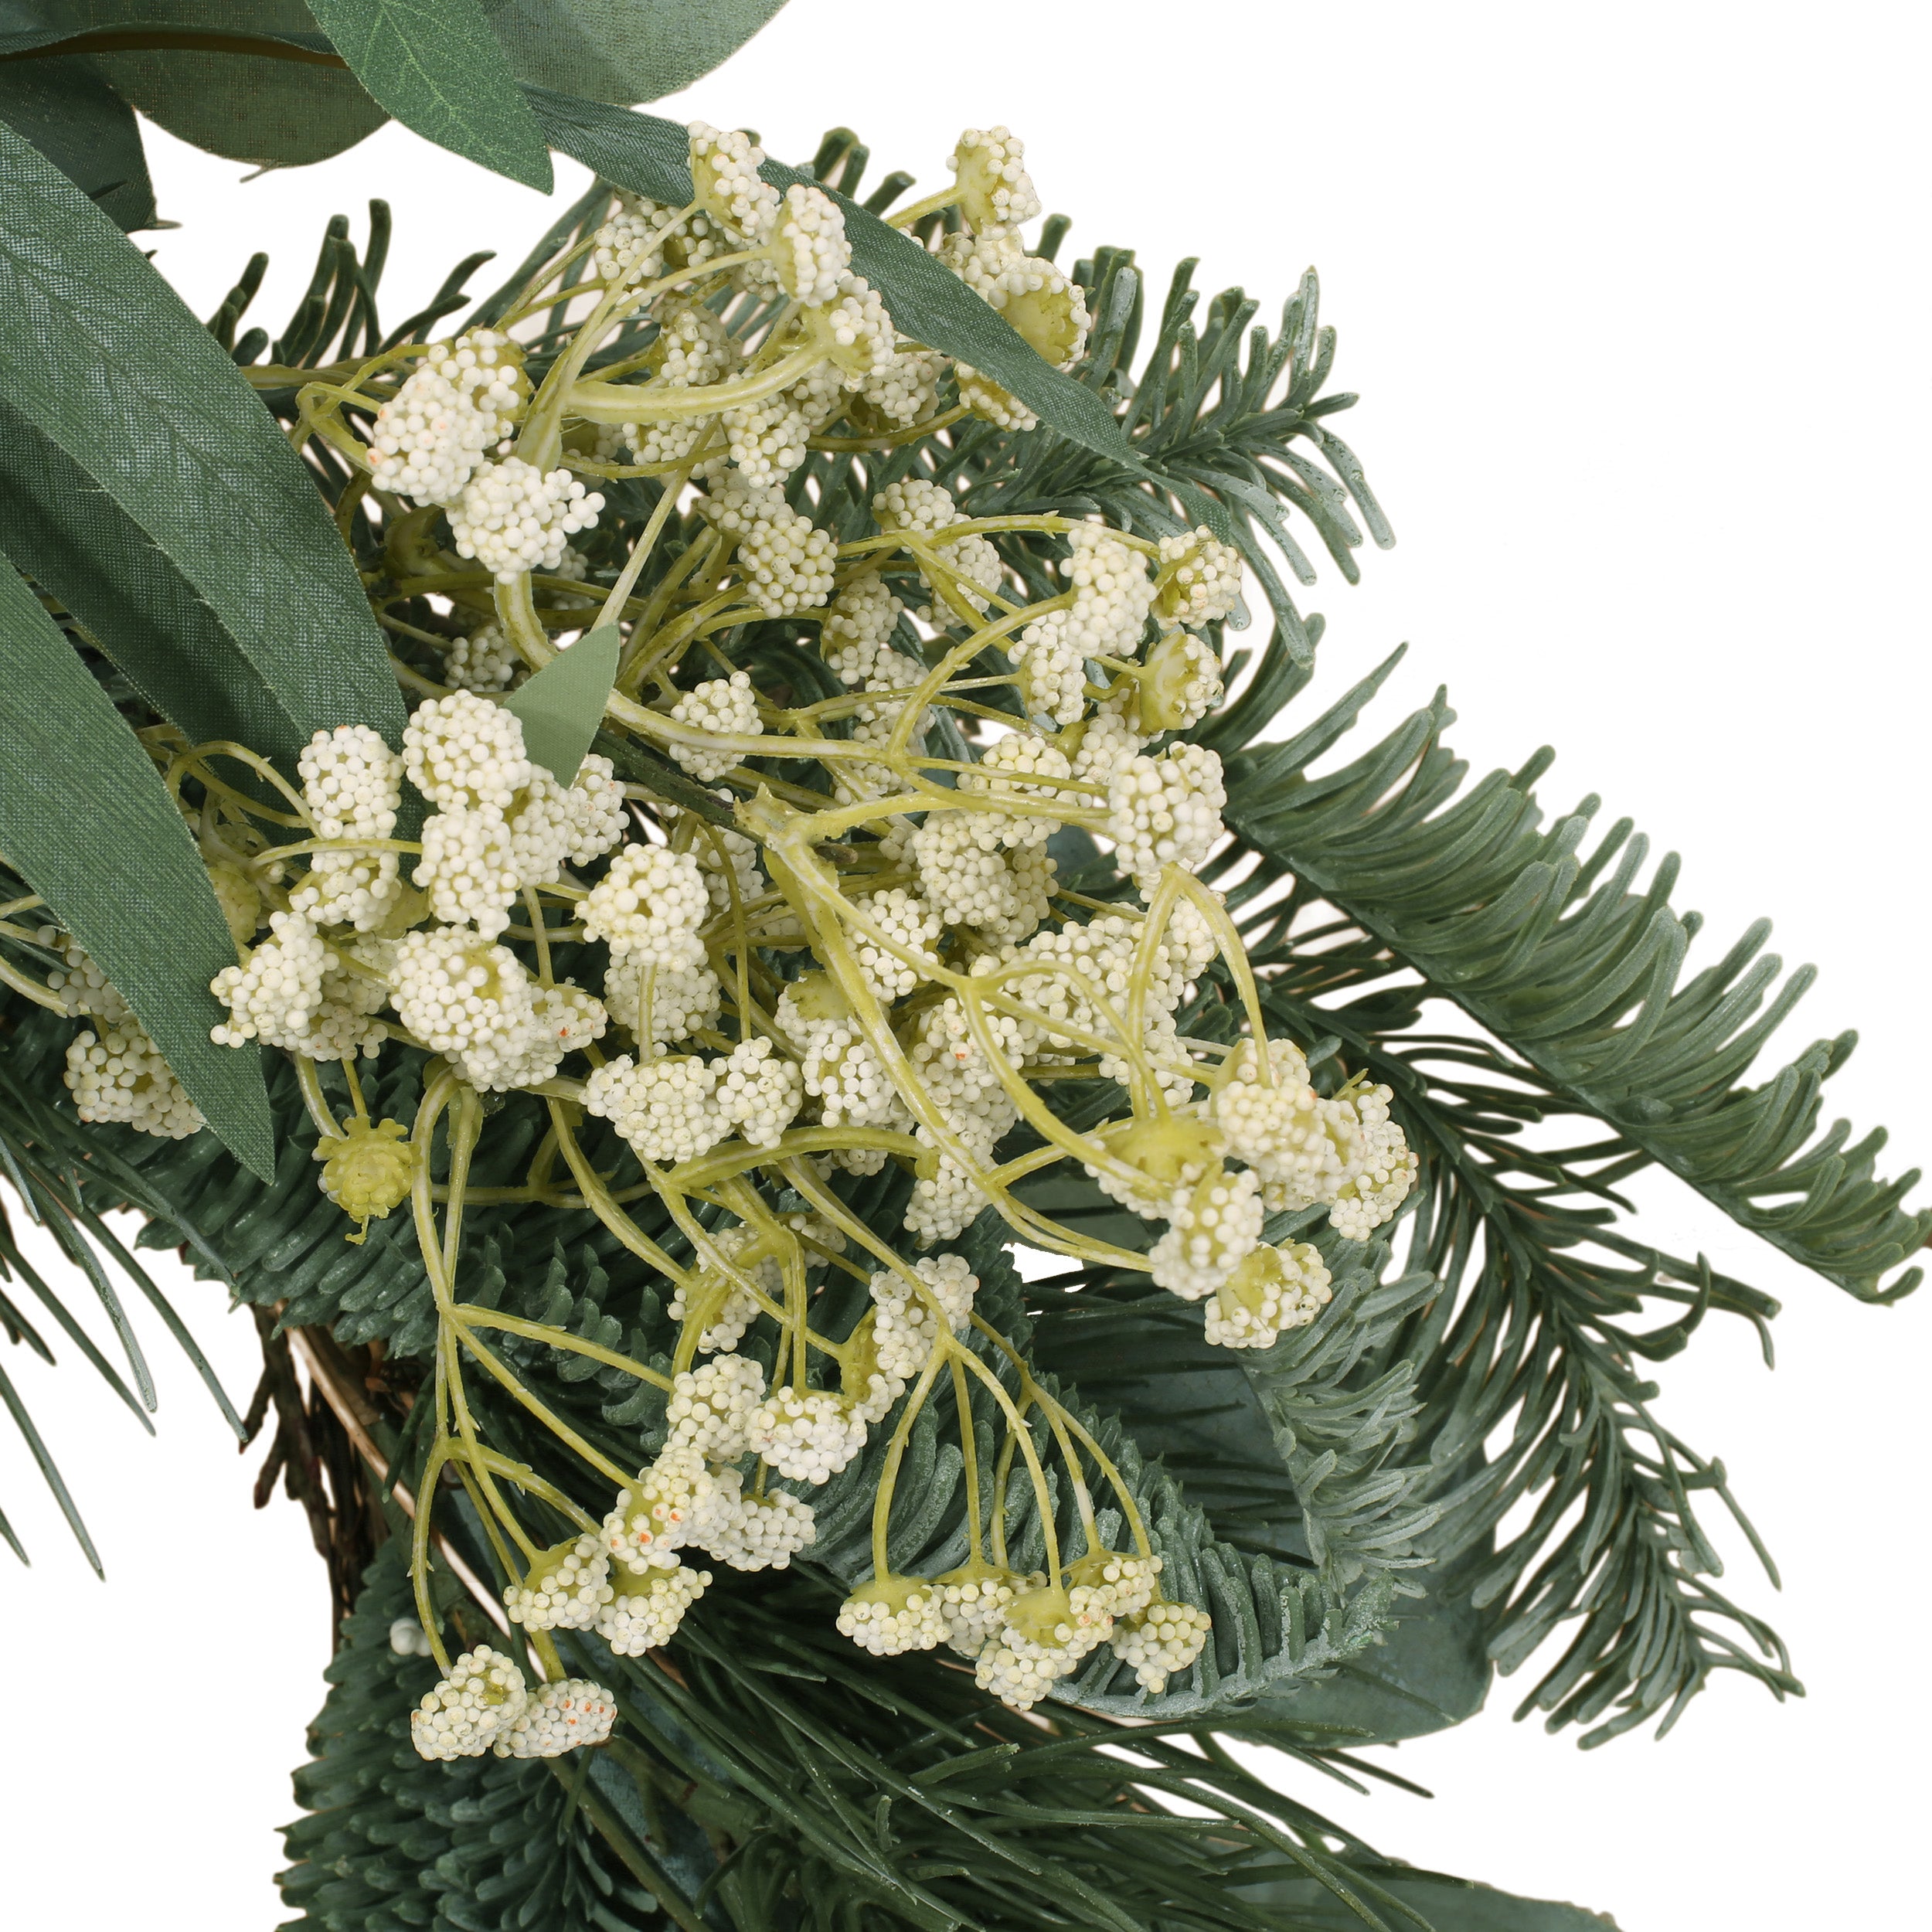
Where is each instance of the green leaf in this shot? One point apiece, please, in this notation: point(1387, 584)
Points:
point(620, 51)
point(78, 544)
point(436, 66)
point(103, 358)
point(69, 113)
point(1430, 1670)
point(290, 104)
point(648, 156)
point(1447, 1904)
point(86, 821)
point(562, 705)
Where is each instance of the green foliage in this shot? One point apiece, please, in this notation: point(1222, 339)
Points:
point(1205, 424)
point(69, 113)
point(46, 1154)
point(1575, 961)
point(251, 79)
point(767, 1777)
point(436, 66)
point(107, 363)
point(562, 706)
point(619, 51)
point(134, 603)
point(103, 847)
point(474, 1845)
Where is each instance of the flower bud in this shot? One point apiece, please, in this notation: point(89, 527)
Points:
point(368, 1171)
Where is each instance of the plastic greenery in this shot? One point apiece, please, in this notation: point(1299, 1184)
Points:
point(740, 814)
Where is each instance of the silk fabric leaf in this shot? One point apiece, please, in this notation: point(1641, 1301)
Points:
point(620, 51)
point(438, 68)
point(69, 113)
point(104, 359)
point(562, 706)
point(77, 543)
point(86, 819)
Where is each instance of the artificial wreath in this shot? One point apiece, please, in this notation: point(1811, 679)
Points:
point(634, 842)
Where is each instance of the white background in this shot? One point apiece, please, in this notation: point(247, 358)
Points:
point(1635, 297)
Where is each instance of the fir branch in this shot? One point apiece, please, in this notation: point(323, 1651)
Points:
point(1576, 964)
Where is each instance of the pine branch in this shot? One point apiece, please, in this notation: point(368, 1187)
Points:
point(1576, 964)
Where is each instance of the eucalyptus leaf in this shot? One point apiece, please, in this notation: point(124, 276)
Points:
point(562, 705)
point(620, 51)
point(106, 361)
point(436, 66)
point(77, 543)
point(280, 110)
point(86, 820)
point(64, 106)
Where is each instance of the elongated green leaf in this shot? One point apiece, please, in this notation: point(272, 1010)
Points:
point(70, 113)
point(436, 66)
point(50, 1470)
point(562, 705)
point(1447, 1904)
point(648, 155)
point(264, 87)
point(78, 544)
point(86, 819)
point(622, 52)
point(105, 360)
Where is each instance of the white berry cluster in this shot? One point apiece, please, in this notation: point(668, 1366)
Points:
point(1200, 580)
point(724, 175)
point(694, 1496)
point(891, 1615)
point(117, 1075)
point(726, 706)
point(760, 1092)
point(566, 1587)
point(353, 785)
point(858, 627)
point(1161, 1640)
point(513, 517)
point(785, 561)
point(558, 1717)
point(484, 659)
point(465, 754)
point(664, 1108)
point(469, 1709)
point(649, 906)
point(909, 1312)
point(809, 1434)
point(1346, 1151)
point(813, 254)
point(302, 995)
point(458, 404)
point(921, 509)
point(1273, 1291)
point(711, 1408)
point(989, 173)
point(483, 1704)
point(1165, 810)
point(646, 1609)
